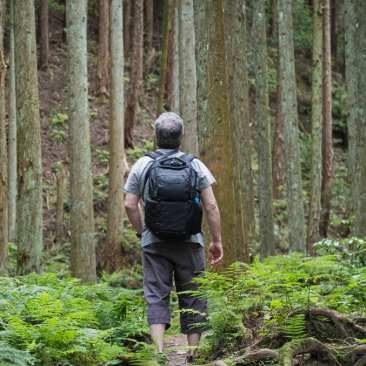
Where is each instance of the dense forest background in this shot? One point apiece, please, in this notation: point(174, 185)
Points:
point(272, 96)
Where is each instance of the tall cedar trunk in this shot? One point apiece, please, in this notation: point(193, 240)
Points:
point(266, 219)
point(59, 222)
point(126, 27)
point(141, 42)
point(149, 17)
point(132, 97)
point(245, 162)
point(174, 101)
point(278, 165)
point(81, 188)
point(113, 248)
point(327, 152)
point(334, 29)
point(349, 22)
point(170, 60)
point(29, 158)
point(164, 58)
point(44, 41)
point(3, 150)
point(187, 77)
point(232, 34)
point(295, 206)
point(360, 108)
point(64, 25)
point(101, 80)
point(214, 118)
point(274, 24)
point(316, 132)
point(12, 137)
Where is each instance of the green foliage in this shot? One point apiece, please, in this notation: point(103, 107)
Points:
point(59, 321)
point(59, 121)
point(59, 137)
point(339, 104)
point(103, 156)
point(11, 356)
point(295, 327)
point(139, 152)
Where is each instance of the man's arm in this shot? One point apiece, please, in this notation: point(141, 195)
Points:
point(209, 203)
point(132, 210)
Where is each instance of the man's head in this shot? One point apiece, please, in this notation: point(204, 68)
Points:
point(169, 131)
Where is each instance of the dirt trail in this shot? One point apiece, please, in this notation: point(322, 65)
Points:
point(177, 355)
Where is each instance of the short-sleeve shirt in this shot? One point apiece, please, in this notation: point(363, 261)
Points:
point(136, 180)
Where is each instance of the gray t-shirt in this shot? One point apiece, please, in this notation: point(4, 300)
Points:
point(136, 180)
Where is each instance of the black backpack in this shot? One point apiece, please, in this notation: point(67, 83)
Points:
point(172, 210)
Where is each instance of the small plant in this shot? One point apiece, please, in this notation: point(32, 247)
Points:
point(103, 156)
point(59, 121)
point(59, 137)
point(295, 327)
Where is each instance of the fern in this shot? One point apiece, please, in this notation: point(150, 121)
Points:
point(11, 356)
point(295, 327)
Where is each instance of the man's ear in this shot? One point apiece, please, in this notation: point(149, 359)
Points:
point(182, 136)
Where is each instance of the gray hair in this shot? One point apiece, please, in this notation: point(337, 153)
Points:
point(169, 131)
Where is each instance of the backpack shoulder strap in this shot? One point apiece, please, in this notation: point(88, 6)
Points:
point(188, 158)
point(154, 155)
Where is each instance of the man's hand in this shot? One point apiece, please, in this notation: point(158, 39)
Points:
point(215, 253)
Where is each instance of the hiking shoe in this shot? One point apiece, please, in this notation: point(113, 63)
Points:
point(161, 358)
point(191, 358)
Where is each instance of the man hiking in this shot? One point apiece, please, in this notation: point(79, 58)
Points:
point(173, 185)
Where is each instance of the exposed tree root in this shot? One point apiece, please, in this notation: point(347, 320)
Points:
point(305, 346)
point(361, 361)
point(348, 355)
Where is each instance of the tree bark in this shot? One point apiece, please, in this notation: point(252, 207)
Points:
point(81, 190)
point(266, 219)
point(101, 80)
point(245, 161)
point(174, 101)
point(334, 29)
point(44, 37)
point(327, 151)
point(113, 248)
point(349, 22)
point(3, 150)
point(126, 27)
point(149, 18)
point(296, 220)
point(232, 33)
point(170, 60)
point(360, 108)
point(274, 24)
point(12, 137)
point(278, 165)
point(316, 132)
point(187, 77)
point(132, 98)
point(29, 163)
point(164, 58)
point(59, 222)
point(214, 118)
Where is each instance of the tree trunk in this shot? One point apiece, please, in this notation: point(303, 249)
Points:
point(274, 25)
point(29, 163)
point(174, 101)
point(349, 22)
point(132, 97)
point(149, 18)
point(245, 161)
point(360, 108)
point(266, 219)
point(12, 137)
point(233, 54)
point(59, 222)
point(3, 150)
point(126, 27)
point(170, 60)
point(113, 248)
point(101, 80)
point(64, 25)
point(327, 152)
point(334, 30)
point(278, 165)
point(44, 41)
point(81, 189)
point(214, 117)
point(295, 206)
point(316, 132)
point(187, 77)
point(164, 58)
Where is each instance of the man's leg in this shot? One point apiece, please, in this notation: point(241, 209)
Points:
point(190, 264)
point(158, 272)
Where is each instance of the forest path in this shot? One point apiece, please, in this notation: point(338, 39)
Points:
point(177, 355)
